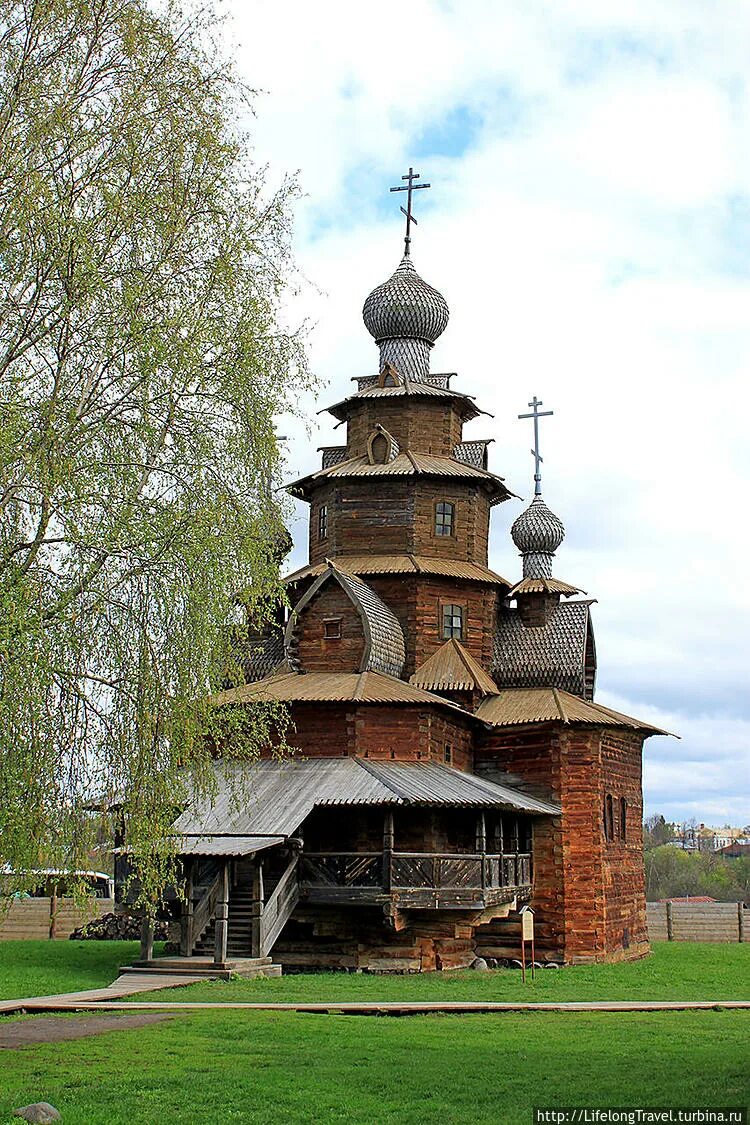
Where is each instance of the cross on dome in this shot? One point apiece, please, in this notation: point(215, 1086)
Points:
point(409, 187)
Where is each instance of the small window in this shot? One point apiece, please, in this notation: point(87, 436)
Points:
point(444, 517)
point(448, 755)
point(323, 521)
point(332, 629)
point(380, 447)
point(609, 818)
point(623, 819)
point(453, 622)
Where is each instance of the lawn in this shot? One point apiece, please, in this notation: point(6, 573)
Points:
point(675, 971)
point(42, 968)
point(266, 1067)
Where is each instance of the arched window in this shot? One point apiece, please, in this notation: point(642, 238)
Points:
point(452, 622)
point(445, 517)
point(389, 376)
point(609, 818)
point(379, 449)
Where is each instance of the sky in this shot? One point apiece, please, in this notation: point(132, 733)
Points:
point(589, 225)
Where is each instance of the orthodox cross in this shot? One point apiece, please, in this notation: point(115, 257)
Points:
point(536, 414)
point(409, 187)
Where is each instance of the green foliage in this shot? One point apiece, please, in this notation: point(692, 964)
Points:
point(142, 263)
point(674, 873)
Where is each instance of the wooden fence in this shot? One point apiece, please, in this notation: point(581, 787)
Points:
point(39, 918)
point(696, 921)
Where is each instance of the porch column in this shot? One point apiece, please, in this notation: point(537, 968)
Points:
point(186, 922)
point(256, 935)
point(222, 916)
point(388, 851)
point(482, 848)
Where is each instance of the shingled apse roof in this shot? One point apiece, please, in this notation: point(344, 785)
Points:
point(520, 706)
point(551, 655)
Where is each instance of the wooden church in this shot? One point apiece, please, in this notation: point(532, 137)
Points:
point(453, 766)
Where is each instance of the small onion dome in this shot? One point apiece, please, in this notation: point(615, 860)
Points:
point(405, 306)
point(537, 530)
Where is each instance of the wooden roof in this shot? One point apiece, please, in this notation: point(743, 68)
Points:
point(544, 586)
point(257, 804)
point(452, 668)
point(407, 388)
point(520, 706)
point(403, 564)
point(403, 465)
point(333, 687)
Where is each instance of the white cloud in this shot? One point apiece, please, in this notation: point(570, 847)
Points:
point(588, 244)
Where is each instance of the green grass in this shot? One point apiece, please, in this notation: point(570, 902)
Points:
point(675, 971)
point(42, 968)
point(264, 1067)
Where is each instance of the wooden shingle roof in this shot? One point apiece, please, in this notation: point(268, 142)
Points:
point(408, 387)
point(403, 564)
point(521, 706)
point(452, 668)
point(404, 465)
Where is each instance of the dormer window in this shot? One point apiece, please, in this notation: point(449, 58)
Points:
point(323, 521)
point(389, 376)
point(445, 514)
point(379, 449)
point(452, 622)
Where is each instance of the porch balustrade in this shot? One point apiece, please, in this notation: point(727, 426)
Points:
point(398, 871)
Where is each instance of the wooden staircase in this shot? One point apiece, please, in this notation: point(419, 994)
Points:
point(254, 920)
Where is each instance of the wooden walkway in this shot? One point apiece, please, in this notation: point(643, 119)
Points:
point(102, 1000)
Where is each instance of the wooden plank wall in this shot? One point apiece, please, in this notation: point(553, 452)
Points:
point(29, 918)
point(696, 921)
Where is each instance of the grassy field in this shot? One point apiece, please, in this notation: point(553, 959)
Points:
point(288, 1068)
point(263, 1067)
point(41, 968)
point(675, 971)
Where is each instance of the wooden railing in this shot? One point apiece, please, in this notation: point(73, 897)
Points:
point(342, 869)
point(279, 907)
point(415, 870)
point(203, 912)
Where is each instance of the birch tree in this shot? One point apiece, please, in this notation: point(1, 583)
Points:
point(142, 264)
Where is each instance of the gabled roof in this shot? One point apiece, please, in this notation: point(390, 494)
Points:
point(384, 640)
point(408, 387)
point(404, 465)
point(559, 654)
point(520, 706)
point(452, 668)
point(333, 687)
point(258, 804)
point(403, 564)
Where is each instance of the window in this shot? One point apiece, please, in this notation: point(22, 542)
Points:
point(379, 449)
point(448, 755)
point(609, 818)
point(332, 629)
point(452, 622)
point(623, 819)
point(323, 521)
point(444, 517)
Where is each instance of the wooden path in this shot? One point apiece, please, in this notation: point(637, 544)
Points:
point(91, 1001)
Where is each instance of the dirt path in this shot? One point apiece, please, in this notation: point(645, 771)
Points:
point(52, 1029)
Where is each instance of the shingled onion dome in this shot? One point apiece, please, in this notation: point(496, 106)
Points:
point(405, 315)
point(537, 533)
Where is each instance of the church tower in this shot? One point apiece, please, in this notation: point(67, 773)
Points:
point(453, 765)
